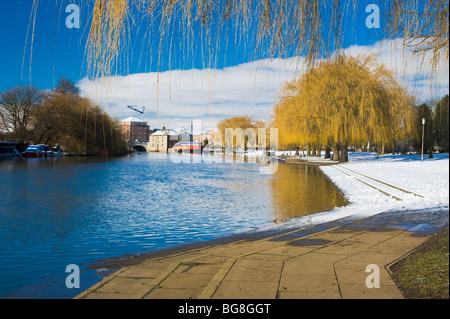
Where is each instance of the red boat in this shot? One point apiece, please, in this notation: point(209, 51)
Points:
point(187, 147)
point(34, 151)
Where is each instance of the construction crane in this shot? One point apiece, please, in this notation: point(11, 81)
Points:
point(134, 108)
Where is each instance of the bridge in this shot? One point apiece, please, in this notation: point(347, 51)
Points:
point(139, 146)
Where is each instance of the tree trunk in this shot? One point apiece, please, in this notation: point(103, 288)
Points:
point(344, 154)
point(335, 150)
point(319, 152)
point(328, 152)
point(382, 149)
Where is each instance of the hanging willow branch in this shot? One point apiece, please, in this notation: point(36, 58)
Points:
point(260, 29)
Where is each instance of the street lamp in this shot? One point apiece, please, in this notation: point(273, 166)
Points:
point(423, 134)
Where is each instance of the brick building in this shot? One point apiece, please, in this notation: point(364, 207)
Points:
point(134, 129)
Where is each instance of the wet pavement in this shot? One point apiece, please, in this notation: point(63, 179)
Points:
point(335, 260)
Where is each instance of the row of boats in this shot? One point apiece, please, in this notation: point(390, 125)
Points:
point(31, 151)
point(35, 151)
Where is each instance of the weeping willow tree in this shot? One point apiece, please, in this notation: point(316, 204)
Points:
point(177, 33)
point(344, 101)
point(240, 122)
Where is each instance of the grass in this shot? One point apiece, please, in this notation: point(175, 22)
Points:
point(424, 273)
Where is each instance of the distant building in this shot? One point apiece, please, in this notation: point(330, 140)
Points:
point(178, 135)
point(134, 129)
point(163, 140)
point(158, 141)
point(208, 135)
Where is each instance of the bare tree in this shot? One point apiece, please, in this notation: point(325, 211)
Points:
point(17, 106)
point(66, 86)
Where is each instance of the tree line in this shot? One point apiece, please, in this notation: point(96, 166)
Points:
point(352, 103)
point(60, 116)
point(436, 129)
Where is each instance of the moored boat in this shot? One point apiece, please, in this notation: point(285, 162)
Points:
point(34, 151)
point(56, 152)
point(187, 147)
point(12, 149)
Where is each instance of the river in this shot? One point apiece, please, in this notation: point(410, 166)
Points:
point(60, 211)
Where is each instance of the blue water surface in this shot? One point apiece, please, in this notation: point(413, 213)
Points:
point(56, 212)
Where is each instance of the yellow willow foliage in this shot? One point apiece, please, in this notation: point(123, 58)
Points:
point(242, 122)
point(265, 28)
point(423, 25)
point(270, 25)
point(107, 31)
point(343, 101)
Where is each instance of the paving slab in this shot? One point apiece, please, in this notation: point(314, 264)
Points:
point(322, 262)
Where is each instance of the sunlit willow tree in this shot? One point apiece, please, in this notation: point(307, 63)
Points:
point(176, 32)
point(240, 122)
point(344, 102)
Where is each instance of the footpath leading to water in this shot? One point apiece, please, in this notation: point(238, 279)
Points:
point(332, 260)
point(342, 254)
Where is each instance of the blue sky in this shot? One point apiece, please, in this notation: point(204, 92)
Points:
point(56, 49)
point(59, 51)
point(235, 84)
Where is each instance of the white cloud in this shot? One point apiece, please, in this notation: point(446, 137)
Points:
point(182, 95)
point(246, 89)
point(414, 72)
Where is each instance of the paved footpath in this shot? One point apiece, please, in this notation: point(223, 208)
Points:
point(326, 261)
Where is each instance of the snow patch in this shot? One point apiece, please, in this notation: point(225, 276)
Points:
point(427, 183)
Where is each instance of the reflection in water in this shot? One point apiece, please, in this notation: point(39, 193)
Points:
point(55, 212)
point(299, 190)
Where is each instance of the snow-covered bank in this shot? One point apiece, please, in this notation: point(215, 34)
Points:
point(389, 183)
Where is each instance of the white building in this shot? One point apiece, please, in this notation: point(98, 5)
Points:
point(163, 140)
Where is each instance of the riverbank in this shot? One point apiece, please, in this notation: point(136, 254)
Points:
point(424, 274)
point(87, 209)
point(393, 199)
point(327, 261)
point(373, 184)
point(113, 206)
point(308, 161)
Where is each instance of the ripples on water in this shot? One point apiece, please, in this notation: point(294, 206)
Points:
point(55, 212)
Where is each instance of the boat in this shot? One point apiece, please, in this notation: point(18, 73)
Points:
point(34, 151)
point(56, 152)
point(12, 149)
point(47, 150)
point(189, 147)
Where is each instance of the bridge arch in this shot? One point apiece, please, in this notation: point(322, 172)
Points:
point(140, 148)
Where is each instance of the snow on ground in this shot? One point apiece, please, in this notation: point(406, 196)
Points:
point(427, 182)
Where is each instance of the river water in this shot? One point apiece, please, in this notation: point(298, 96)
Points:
point(61, 211)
